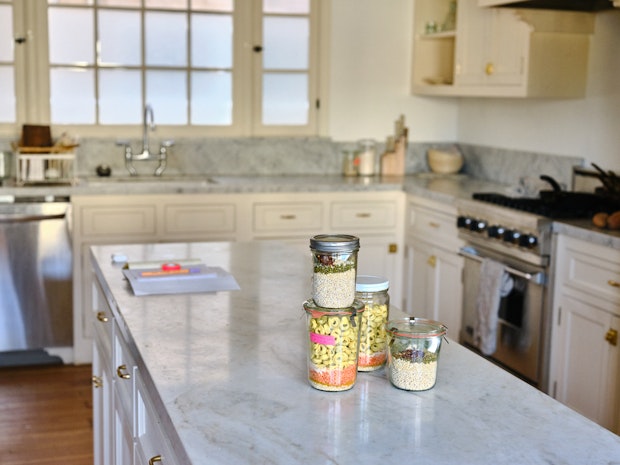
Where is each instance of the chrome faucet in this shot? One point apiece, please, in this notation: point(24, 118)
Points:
point(148, 124)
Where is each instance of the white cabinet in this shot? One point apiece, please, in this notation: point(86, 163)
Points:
point(585, 357)
point(501, 52)
point(433, 268)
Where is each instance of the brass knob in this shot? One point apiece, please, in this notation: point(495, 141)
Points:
point(432, 261)
point(613, 283)
point(97, 382)
point(489, 69)
point(101, 316)
point(392, 248)
point(120, 371)
point(152, 460)
point(612, 337)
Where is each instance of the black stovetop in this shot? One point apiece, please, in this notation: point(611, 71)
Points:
point(582, 206)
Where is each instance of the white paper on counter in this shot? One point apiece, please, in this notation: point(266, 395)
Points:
point(201, 279)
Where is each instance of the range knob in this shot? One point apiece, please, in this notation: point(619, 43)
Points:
point(512, 236)
point(496, 231)
point(464, 222)
point(529, 241)
point(478, 226)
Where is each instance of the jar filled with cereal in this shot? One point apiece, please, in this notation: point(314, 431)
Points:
point(333, 340)
point(373, 292)
point(413, 352)
point(334, 260)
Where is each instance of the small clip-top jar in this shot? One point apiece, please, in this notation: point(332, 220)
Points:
point(334, 260)
point(372, 291)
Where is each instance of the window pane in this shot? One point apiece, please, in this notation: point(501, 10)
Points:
point(120, 97)
point(285, 43)
point(286, 6)
point(120, 3)
point(285, 99)
point(212, 37)
point(71, 36)
point(72, 96)
point(166, 39)
point(6, 33)
point(169, 4)
point(212, 98)
point(119, 37)
point(212, 5)
point(7, 94)
point(166, 91)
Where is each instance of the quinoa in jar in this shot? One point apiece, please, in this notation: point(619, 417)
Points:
point(334, 260)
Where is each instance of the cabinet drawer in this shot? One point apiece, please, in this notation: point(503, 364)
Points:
point(433, 225)
point(298, 216)
point(593, 269)
point(102, 320)
point(360, 215)
point(198, 219)
point(129, 220)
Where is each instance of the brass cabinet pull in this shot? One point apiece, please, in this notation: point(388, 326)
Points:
point(101, 316)
point(613, 283)
point(120, 372)
point(612, 337)
point(363, 215)
point(432, 261)
point(152, 460)
point(432, 224)
point(288, 217)
point(97, 382)
point(489, 69)
point(392, 248)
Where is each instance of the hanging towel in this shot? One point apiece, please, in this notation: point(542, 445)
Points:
point(495, 283)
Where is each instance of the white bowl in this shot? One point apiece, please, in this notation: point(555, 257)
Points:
point(444, 161)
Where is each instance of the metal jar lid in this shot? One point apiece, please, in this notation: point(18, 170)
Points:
point(366, 283)
point(415, 328)
point(335, 243)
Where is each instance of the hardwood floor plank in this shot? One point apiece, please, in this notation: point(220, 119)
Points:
point(46, 415)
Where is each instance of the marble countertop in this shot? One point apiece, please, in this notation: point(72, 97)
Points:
point(228, 375)
point(442, 188)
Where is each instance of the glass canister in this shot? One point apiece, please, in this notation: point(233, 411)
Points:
point(366, 157)
point(334, 260)
point(413, 352)
point(373, 292)
point(333, 340)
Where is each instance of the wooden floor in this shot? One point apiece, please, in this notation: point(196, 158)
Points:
point(46, 415)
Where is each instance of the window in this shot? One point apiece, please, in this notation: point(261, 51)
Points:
point(219, 67)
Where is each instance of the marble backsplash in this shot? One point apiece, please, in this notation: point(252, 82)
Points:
point(312, 156)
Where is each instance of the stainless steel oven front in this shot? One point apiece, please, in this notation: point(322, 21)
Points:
point(522, 325)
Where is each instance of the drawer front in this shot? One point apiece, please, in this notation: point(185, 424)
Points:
point(360, 215)
point(198, 219)
point(124, 373)
point(102, 320)
point(593, 269)
point(431, 224)
point(138, 220)
point(290, 217)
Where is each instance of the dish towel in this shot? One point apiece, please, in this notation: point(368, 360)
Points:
point(495, 283)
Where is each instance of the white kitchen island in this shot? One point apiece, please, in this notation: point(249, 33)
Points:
point(222, 379)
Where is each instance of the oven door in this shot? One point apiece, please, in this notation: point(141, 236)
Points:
point(521, 317)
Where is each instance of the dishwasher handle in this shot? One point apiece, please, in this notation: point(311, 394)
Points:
point(537, 278)
point(10, 218)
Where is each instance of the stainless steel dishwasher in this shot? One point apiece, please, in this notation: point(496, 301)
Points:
point(36, 301)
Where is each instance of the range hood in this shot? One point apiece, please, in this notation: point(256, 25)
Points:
point(567, 5)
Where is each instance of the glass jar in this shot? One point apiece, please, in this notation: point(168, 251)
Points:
point(348, 162)
point(334, 260)
point(413, 352)
point(373, 292)
point(366, 157)
point(333, 341)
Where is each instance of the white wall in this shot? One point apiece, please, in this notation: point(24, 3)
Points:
point(369, 87)
point(370, 60)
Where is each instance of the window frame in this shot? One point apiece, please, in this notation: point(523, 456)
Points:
point(32, 78)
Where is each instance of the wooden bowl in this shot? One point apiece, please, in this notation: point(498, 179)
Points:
point(444, 161)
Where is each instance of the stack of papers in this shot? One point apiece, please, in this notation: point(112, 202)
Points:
point(174, 278)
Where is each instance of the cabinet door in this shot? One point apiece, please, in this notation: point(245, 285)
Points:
point(379, 256)
point(587, 364)
point(102, 408)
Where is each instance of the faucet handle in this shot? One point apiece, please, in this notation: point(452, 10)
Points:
point(167, 143)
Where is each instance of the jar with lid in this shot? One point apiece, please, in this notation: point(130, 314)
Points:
point(372, 291)
point(413, 352)
point(333, 340)
point(366, 157)
point(334, 260)
point(349, 167)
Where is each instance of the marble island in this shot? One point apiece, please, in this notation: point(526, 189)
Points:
point(226, 380)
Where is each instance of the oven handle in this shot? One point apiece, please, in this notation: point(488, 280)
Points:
point(537, 278)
